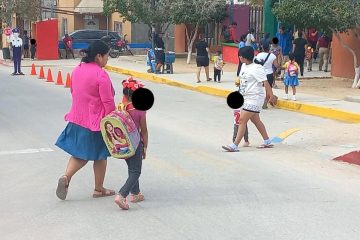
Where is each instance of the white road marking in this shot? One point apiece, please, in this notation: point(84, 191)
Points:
point(25, 151)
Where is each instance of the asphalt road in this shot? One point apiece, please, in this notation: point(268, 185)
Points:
point(193, 189)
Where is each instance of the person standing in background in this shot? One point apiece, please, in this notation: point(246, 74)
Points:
point(285, 44)
point(32, 48)
point(313, 38)
point(323, 45)
point(299, 48)
point(159, 52)
point(232, 31)
point(26, 41)
point(16, 45)
point(202, 58)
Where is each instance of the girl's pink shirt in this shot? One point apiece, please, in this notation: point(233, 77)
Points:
point(92, 96)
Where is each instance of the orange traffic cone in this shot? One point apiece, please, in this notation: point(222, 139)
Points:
point(42, 74)
point(59, 79)
point(49, 76)
point(68, 79)
point(33, 70)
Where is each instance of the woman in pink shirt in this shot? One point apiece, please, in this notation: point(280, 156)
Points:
point(92, 99)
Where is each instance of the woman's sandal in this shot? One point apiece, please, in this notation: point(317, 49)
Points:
point(103, 193)
point(121, 202)
point(62, 188)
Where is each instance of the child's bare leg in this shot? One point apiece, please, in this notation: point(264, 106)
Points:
point(294, 90)
point(286, 89)
point(260, 126)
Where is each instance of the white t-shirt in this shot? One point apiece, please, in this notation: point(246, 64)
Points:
point(16, 41)
point(249, 39)
point(252, 77)
point(269, 62)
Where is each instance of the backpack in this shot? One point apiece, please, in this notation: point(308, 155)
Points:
point(292, 70)
point(120, 134)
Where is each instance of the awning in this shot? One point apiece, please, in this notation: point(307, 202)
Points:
point(90, 6)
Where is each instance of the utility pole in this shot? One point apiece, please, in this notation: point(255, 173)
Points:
point(153, 27)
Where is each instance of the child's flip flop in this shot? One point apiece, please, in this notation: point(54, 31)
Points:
point(266, 146)
point(229, 149)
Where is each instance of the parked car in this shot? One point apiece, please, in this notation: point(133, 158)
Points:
point(89, 36)
point(82, 38)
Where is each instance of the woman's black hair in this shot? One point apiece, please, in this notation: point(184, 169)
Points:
point(95, 48)
point(275, 40)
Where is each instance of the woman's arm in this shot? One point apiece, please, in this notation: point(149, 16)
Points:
point(106, 92)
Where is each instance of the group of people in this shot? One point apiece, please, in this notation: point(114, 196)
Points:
point(92, 99)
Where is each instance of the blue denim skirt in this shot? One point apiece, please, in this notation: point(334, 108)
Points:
point(82, 143)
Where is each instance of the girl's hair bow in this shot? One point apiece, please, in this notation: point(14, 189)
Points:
point(132, 84)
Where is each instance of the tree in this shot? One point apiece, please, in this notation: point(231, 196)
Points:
point(329, 16)
point(195, 13)
point(141, 11)
point(29, 10)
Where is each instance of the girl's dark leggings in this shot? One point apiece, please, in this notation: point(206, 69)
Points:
point(246, 135)
point(134, 170)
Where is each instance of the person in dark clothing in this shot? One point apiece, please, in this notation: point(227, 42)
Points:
point(26, 45)
point(202, 57)
point(265, 41)
point(159, 52)
point(68, 42)
point(32, 48)
point(299, 47)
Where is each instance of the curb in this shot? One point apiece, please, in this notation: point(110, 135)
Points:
point(310, 109)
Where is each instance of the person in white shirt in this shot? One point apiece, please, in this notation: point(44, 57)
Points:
point(250, 39)
point(252, 82)
point(16, 44)
point(268, 60)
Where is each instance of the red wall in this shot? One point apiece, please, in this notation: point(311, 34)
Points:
point(230, 54)
point(342, 59)
point(241, 15)
point(47, 40)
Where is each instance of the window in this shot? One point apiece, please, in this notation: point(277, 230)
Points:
point(118, 27)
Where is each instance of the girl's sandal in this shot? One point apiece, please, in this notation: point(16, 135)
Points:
point(62, 188)
point(137, 198)
point(121, 202)
point(103, 193)
point(266, 146)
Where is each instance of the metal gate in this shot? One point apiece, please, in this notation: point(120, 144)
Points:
point(256, 21)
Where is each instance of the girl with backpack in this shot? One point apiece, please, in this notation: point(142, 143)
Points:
point(135, 162)
point(291, 76)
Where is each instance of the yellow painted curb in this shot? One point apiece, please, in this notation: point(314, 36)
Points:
point(325, 112)
point(288, 132)
point(320, 111)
